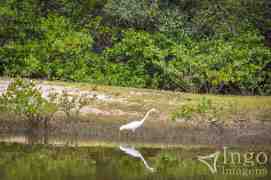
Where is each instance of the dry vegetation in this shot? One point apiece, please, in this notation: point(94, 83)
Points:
point(125, 104)
point(132, 103)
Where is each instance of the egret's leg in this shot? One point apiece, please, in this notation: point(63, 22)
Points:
point(119, 137)
point(133, 135)
point(127, 136)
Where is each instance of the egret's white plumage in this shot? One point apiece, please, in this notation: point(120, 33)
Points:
point(136, 124)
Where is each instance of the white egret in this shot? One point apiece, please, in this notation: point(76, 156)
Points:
point(132, 152)
point(136, 124)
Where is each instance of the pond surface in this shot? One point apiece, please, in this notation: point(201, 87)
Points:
point(128, 161)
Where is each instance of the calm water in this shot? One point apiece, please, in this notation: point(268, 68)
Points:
point(127, 162)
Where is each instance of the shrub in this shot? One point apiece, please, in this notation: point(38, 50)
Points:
point(138, 13)
point(24, 100)
point(62, 53)
point(185, 112)
point(138, 60)
point(194, 46)
point(69, 104)
point(205, 108)
point(239, 65)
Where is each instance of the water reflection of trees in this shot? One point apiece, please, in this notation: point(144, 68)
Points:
point(59, 163)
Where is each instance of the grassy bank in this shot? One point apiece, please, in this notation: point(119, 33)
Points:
point(178, 106)
point(182, 118)
point(174, 107)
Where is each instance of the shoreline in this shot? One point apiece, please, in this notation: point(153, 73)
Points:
point(228, 120)
point(249, 134)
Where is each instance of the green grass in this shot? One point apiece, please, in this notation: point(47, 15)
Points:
point(136, 102)
point(168, 102)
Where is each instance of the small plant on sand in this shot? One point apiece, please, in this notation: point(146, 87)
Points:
point(24, 101)
point(185, 112)
point(204, 105)
point(70, 104)
point(205, 108)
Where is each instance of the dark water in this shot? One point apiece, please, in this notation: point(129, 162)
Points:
point(122, 161)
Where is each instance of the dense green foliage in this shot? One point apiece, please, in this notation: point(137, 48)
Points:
point(188, 45)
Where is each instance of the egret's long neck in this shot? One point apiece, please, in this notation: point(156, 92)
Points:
point(145, 117)
point(145, 163)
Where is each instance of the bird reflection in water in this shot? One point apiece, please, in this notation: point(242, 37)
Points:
point(133, 152)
